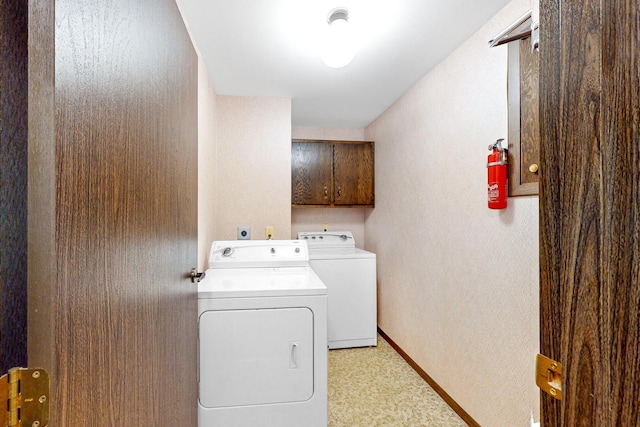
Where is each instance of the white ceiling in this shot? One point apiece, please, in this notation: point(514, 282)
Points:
point(270, 48)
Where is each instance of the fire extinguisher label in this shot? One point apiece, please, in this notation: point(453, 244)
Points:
point(497, 176)
point(493, 191)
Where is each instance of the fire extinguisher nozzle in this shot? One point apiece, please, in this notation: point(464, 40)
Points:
point(497, 176)
point(497, 144)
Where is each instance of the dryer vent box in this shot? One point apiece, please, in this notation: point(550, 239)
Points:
point(244, 233)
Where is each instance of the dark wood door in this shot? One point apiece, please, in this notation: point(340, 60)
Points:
point(311, 173)
point(590, 209)
point(353, 173)
point(112, 214)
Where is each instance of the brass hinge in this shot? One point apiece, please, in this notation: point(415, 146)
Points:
point(26, 393)
point(549, 376)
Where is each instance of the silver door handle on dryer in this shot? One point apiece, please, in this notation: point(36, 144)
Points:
point(293, 355)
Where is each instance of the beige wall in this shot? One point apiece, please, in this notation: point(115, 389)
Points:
point(244, 166)
point(207, 159)
point(253, 176)
point(337, 219)
point(457, 282)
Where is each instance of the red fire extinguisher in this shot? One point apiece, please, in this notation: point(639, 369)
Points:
point(497, 176)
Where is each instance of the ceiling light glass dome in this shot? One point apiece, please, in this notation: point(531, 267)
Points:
point(339, 46)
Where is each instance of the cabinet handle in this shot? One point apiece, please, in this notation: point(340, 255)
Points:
point(339, 192)
point(533, 168)
point(326, 192)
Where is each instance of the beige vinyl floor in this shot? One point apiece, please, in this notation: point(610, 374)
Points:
point(374, 386)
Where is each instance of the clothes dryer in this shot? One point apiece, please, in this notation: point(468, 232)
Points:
point(350, 276)
point(262, 337)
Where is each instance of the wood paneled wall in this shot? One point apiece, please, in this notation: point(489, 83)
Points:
point(13, 183)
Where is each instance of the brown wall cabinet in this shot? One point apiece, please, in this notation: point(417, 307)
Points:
point(524, 133)
point(522, 93)
point(332, 173)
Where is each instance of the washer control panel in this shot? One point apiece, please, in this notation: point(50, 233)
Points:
point(328, 239)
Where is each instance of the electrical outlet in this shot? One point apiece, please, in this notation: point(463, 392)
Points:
point(325, 227)
point(244, 233)
point(268, 232)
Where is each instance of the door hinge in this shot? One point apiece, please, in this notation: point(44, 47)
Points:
point(549, 376)
point(26, 393)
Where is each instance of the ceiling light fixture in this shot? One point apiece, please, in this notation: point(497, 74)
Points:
point(339, 47)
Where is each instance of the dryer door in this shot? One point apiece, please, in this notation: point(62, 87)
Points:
point(252, 357)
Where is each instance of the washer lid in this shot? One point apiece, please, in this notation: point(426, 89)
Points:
point(327, 239)
point(260, 282)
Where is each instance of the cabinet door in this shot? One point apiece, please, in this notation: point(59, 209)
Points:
point(310, 173)
point(353, 174)
point(524, 132)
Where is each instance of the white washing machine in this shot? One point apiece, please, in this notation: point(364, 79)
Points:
point(350, 276)
point(262, 337)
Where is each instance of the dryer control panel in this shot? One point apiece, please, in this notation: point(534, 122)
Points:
point(258, 253)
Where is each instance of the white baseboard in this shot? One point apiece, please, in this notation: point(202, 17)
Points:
point(534, 424)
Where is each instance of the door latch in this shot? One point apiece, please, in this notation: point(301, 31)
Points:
point(195, 276)
point(549, 376)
